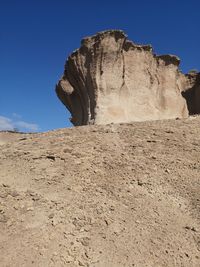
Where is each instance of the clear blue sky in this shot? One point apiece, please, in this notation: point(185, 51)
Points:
point(36, 36)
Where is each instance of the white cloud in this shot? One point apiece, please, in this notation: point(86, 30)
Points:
point(11, 124)
point(17, 116)
point(6, 124)
point(26, 125)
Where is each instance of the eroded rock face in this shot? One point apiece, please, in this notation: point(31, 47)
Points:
point(191, 92)
point(111, 79)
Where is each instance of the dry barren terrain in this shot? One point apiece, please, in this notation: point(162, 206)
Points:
point(102, 196)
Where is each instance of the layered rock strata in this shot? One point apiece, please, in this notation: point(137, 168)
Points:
point(111, 79)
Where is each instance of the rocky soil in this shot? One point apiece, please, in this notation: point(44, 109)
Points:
point(102, 196)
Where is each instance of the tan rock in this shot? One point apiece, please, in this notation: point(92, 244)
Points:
point(111, 79)
point(191, 92)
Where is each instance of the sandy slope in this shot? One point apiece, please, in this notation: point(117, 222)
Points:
point(116, 195)
point(6, 137)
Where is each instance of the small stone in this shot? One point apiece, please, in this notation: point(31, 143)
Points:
point(191, 228)
point(55, 221)
point(3, 194)
point(140, 183)
point(3, 218)
point(14, 193)
point(51, 157)
point(30, 209)
point(5, 185)
point(69, 259)
point(31, 193)
point(85, 241)
point(112, 208)
point(35, 198)
point(51, 216)
point(106, 221)
point(80, 263)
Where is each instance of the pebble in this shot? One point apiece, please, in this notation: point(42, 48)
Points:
point(192, 228)
point(5, 185)
point(81, 263)
point(51, 216)
point(3, 194)
point(30, 209)
point(14, 193)
point(69, 259)
point(85, 241)
point(3, 218)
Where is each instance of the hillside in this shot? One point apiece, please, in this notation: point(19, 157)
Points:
point(102, 196)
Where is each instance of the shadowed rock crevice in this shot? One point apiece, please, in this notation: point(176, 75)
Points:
point(111, 79)
point(192, 93)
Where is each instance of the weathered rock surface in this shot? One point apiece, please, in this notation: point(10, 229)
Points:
point(111, 79)
point(191, 92)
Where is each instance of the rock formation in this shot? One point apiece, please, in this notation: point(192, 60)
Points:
point(191, 92)
point(111, 79)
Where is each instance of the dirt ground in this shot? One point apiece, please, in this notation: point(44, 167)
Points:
point(102, 196)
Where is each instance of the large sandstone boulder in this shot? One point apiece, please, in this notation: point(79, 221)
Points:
point(111, 79)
